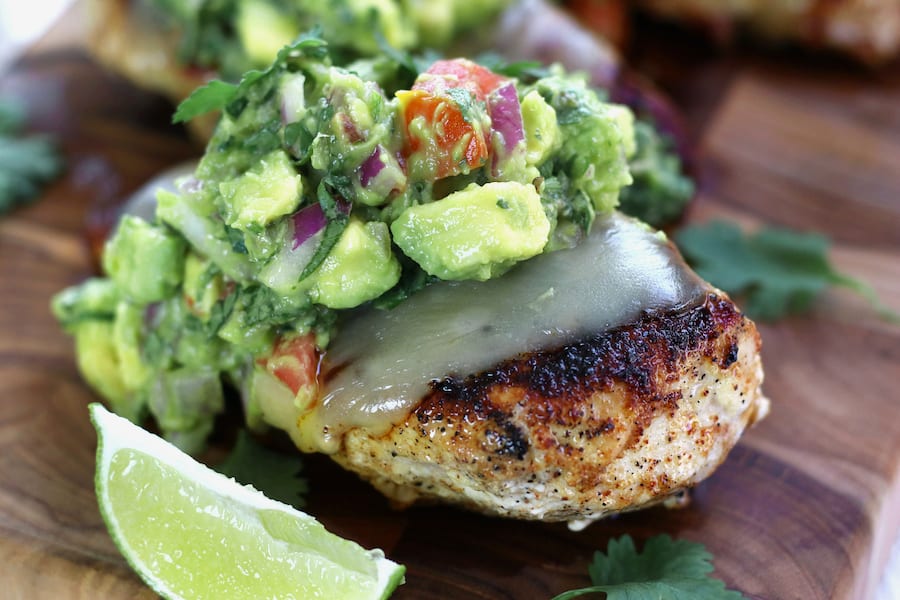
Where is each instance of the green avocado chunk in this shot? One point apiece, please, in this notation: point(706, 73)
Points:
point(360, 267)
point(474, 233)
point(596, 138)
point(268, 191)
point(98, 361)
point(94, 300)
point(145, 261)
point(263, 30)
point(542, 135)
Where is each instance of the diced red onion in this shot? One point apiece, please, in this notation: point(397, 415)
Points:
point(506, 115)
point(308, 222)
point(151, 312)
point(286, 266)
point(374, 177)
point(371, 167)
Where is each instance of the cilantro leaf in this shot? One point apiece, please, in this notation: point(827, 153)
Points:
point(404, 59)
point(667, 568)
point(218, 95)
point(26, 163)
point(527, 71)
point(337, 222)
point(212, 96)
point(275, 474)
point(776, 271)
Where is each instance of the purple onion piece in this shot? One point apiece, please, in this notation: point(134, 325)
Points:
point(151, 312)
point(371, 167)
point(375, 178)
point(506, 115)
point(308, 222)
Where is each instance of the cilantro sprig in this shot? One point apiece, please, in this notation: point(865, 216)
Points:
point(775, 271)
point(275, 474)
point(27, 163)
point(667, 568)
point(219, 95)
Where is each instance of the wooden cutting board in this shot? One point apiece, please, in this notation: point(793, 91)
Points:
point(805, 507)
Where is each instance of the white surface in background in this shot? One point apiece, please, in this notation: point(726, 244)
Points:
point(22, 21)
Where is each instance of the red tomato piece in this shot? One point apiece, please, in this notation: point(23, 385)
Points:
point(294, 361)
point(447, 132)
point(459, 73)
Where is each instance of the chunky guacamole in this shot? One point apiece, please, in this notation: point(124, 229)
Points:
point(232, 36)
point(325, 188)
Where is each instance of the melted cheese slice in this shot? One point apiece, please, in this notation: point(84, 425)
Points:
point(381, 363)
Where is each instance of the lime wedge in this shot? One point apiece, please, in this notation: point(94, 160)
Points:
point(190, 532)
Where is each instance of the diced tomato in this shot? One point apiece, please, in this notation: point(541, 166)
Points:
point(445, 137)
point(447, 132)
point(294, 361)
point(444, 131)
point(459, 73)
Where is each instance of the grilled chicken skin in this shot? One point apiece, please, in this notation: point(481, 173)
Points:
point(614, 422)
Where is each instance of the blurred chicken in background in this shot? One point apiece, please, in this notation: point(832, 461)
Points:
point(868, 30)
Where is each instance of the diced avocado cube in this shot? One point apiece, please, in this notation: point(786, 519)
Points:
point(359, 268)
point(476, 232)
point(624, 119)
point(145, 261)
point(264, 30)
point(593, 146)
point(268, 191)
point(94, 299)
point(542, 136)
point(197, 348)
point(127, 332)
point(255, 338)
point(185, 402)
point(192, 220)
point(203, 284)
point(98, 361)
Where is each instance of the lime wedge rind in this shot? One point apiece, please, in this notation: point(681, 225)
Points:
point(117, 434)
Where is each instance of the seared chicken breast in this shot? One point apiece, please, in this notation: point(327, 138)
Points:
point(632, 381)
point(615, 422)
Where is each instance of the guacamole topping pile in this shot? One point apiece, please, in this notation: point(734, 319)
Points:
point(325, 188)
point(232, 36)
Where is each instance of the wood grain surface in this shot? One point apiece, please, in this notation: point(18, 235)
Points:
point(805, 507)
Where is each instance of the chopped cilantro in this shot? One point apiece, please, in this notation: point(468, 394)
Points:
point(219, 314)
point(661, 190)
point(212, 96)
point(218, 95)
point(236, 238)
point(776, 271)
point(401, 57)
point(26, 163)
point(527, 71)
point(263, 306)
point(299, 139)
point(275, 474)
point(337, 222)
point(466, 102)
point(667, 568)
point(412, 280)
